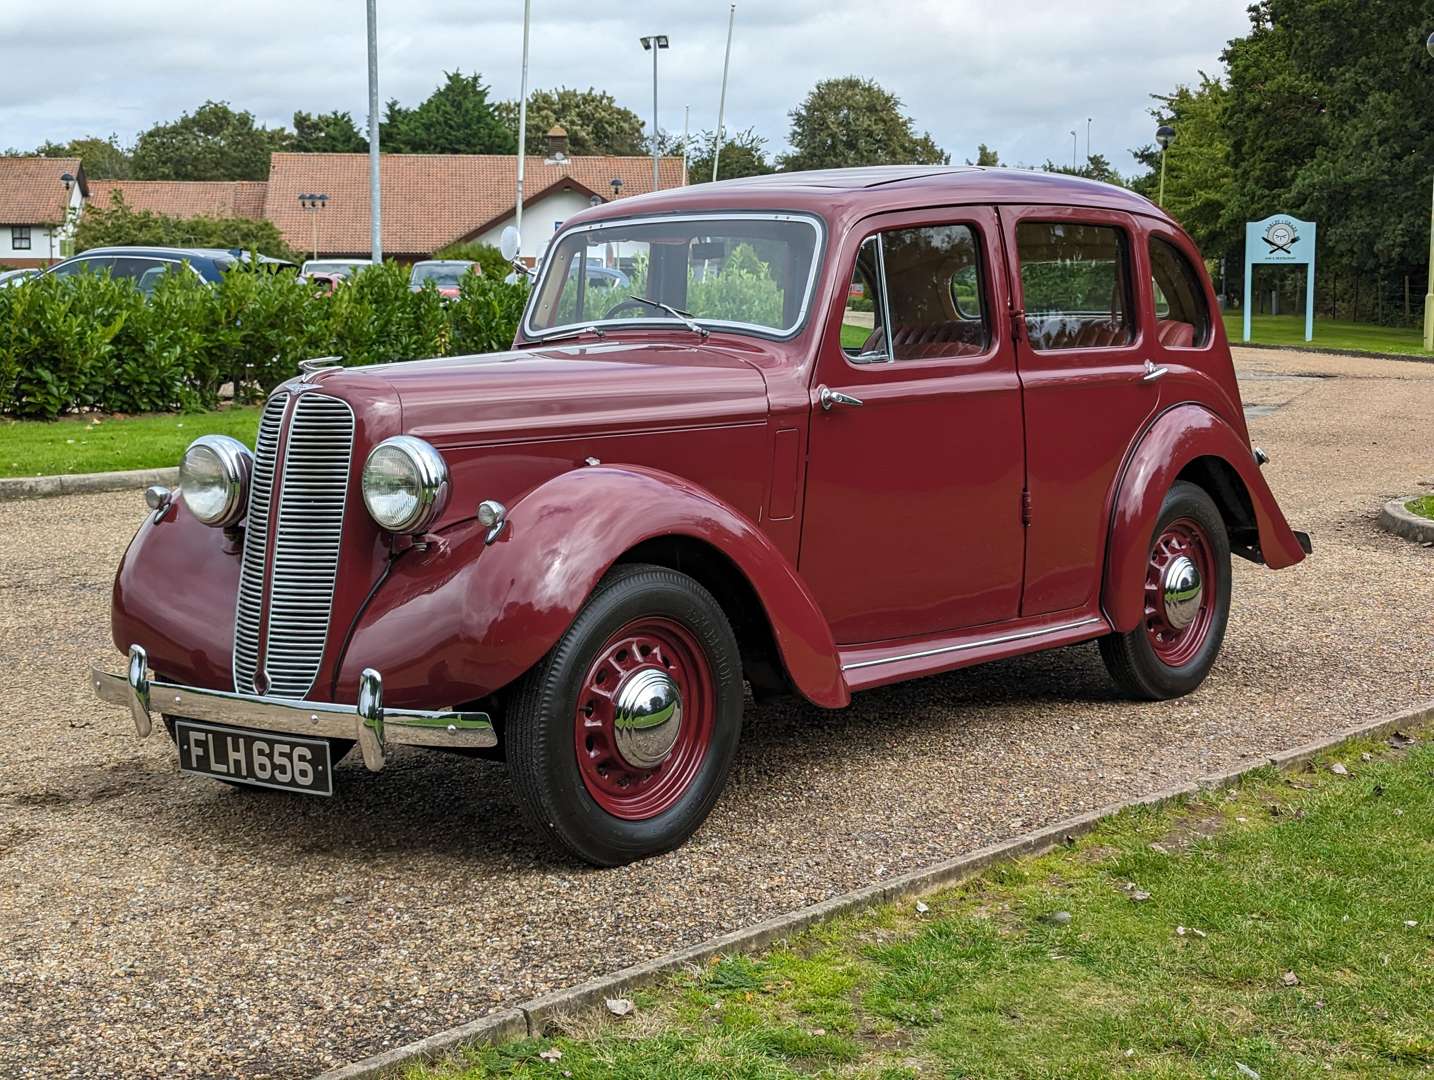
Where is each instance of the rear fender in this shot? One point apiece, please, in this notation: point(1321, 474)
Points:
point(1178, 438)
point(463, 618)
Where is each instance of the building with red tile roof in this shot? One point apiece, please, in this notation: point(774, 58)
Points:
point(40, 197)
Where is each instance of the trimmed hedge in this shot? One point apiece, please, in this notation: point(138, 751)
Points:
point(92, 342)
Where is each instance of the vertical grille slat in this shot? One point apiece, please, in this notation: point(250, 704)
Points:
point(311, 496)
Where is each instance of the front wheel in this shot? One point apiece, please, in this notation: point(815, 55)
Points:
point(1187, 601)
point(619, 741)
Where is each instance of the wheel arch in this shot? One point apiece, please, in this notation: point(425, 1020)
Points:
point(466, 618)
point(1188, 442)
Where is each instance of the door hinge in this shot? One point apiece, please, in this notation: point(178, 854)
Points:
point(1025, 507)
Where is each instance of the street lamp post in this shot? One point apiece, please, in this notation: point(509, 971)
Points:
point(312, 204)
point(1164, 135)
point(1075, 149)
point(523, 124)
point(654, 44)
point(375, 184)
point(1429, 289)
point(722, 98)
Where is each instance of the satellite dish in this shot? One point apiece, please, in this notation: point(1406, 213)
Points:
point(509, 243)
point(511, 279)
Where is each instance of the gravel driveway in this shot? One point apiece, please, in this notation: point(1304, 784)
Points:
point(157, 924)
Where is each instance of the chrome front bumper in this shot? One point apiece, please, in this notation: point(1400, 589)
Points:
point(368, 722)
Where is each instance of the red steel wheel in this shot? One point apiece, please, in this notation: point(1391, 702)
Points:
point(1178, 612)
point(643, 723)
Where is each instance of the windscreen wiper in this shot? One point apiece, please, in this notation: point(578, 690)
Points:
point(596, 331)
point(684, 317)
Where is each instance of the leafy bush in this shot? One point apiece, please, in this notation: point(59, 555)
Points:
point(92, 342)
point(119, 223)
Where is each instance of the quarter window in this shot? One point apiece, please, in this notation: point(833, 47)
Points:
point(928, 285)
point(1075, 285)
point(1182, 317)
point(20, 238)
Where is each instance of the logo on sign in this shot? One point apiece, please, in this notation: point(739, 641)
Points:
point(1280, 236)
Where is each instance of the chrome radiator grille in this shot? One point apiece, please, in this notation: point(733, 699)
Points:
point(312, 491)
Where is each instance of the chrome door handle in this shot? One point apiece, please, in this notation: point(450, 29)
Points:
point(1152, 372)
point(829, 397)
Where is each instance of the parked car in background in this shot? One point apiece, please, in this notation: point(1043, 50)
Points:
point(445, 274)
point(344, 268)
point(321, 282)
point(146, 265)
point(576, 553)
point(14, 277)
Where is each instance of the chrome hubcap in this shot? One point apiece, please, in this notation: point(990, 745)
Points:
point(648, 717)
point(1180, 590)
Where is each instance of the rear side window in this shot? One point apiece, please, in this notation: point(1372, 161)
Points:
point(1075, 284)
point(1182, 318)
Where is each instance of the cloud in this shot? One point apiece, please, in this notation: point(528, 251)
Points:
point(1017, 76)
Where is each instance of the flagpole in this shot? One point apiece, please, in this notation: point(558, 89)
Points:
point(722, 100)
point(523, 124)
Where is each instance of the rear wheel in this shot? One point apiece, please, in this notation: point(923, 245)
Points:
point(619, 741)
point(1186, 594)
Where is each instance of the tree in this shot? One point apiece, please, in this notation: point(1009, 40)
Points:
point(118, 223)
point(212, 143)
point(744, 153)
point(103, 159)
point(457, 118)
point(594, 121)
point(327, 133)
point(853, 121)
point(985, 156)
point(1096, 167)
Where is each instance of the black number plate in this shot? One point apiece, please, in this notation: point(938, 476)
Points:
point(262, 759)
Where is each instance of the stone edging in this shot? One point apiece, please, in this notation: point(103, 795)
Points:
point(34, 487)
point(532, 1017)
point(1401, 522)
point(1359, 354)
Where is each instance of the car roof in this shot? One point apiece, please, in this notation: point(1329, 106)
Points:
point(830, 193)
point(216, 254)
point(444, 262)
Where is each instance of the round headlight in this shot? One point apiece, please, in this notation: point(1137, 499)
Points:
point(405, 484)
point(214, 479)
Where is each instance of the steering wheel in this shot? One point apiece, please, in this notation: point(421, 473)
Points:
point(624, 305)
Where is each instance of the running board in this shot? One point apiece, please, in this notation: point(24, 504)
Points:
point(866, 666)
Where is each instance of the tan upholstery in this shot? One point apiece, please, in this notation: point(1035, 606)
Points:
point(928, 342)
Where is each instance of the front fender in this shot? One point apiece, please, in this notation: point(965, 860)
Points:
point(1178, 437)
point(461, 619)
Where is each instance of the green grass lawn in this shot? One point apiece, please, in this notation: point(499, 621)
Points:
point(1328, 333)
point(110, 443)
point(1423, 506)
point(854, 337)
point(1287, 928)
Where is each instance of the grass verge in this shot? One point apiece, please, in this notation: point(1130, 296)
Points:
point(1328, 334)
point(1285, 929)
point(96, 443)
point(1423, 506)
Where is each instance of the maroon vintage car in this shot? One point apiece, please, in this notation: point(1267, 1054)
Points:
point(709, 460)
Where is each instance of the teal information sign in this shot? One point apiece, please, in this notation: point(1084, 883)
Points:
point(1281, 240)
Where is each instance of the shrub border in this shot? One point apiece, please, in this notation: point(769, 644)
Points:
point(531, 1018)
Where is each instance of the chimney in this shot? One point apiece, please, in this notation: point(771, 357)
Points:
point(557, 143)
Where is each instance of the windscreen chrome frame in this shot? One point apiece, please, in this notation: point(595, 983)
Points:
point(818, 250)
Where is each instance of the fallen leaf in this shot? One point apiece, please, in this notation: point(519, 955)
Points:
point(1366, 756)
point(552, 1053)
point(1160, 848)
point(1338, 769)
point(1289, 978)
point(1180, 931)
point(921, 907)
point(619, 1006)
point(1398, 812)
point(1399, 740)
point(1198, 933)
point(819, 1031)
point(1140, 896)
point(1410, 922)
point(1060, 918)
point(1245, 1070)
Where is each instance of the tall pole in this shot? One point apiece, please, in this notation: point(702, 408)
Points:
point(686, 124)
point(374, 187)
point(1087, 138)
point(1429, 295)
point(1075, 149)
point(722, 99)
point(655, 147)
point(523, 123)
point(1161, 199)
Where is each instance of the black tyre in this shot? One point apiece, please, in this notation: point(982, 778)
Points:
point(620, 739)
point(1187, 601)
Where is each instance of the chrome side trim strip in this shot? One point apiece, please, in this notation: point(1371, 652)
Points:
point(964, 646)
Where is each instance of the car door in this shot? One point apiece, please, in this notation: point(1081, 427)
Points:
point(1080, 284)
point(912, 520)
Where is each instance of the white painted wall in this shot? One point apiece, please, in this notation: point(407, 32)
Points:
point(540, 221)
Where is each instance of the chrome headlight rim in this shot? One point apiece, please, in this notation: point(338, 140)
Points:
point(236, 465)
point(430, 476)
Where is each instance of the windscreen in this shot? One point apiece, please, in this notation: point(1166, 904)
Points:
point(741, 271)
point(444, 276)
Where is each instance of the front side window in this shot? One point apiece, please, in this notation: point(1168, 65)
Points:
point(750, 272)
point(1075, 284)
point(20, 238)
point(927, 283)
point(1182, 318)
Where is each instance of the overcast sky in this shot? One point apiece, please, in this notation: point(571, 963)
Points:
point(1018, 75)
